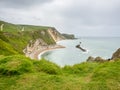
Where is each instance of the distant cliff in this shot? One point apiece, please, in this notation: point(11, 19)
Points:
point(69, 36)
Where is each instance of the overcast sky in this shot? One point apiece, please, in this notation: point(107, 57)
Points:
point(80, 17)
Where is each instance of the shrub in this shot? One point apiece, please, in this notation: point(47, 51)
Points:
point(108, 70)
point(15, 65)
point(6, 49)
point(47, 67)
point(82, 68)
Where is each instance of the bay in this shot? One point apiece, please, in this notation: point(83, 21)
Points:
point(95, 46)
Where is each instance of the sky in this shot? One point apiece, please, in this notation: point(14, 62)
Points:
point(80, 17)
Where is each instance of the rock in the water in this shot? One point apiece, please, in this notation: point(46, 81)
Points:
point(78, 46)
point(116, 54)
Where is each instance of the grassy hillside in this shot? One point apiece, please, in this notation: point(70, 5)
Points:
point(13, 40)
point(8, 27)
point(20, 73)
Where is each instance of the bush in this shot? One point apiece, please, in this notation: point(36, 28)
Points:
point(15, 65)
point(82, 68)
point(6, 49)
point(47, 67)
point(108, 70)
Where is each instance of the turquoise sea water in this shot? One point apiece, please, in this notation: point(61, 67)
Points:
point(103, 47)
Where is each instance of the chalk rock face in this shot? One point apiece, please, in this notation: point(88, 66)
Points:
point(34, 46)
point(55, 34)
point(116, 54)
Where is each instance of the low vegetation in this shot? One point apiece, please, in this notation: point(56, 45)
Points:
point(8, 27)
point(18, 72)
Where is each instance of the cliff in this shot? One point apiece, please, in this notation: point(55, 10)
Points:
point(34, 47)
point(69, 36)
point(27, 39)
point(55, 34)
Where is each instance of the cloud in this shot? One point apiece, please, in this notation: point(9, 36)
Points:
point(22, 3)
point(81, 17)
point(94, 13)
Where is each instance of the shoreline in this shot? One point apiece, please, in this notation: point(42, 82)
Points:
point(38, 53)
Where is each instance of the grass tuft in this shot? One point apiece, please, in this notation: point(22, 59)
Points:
point(47, 67)
point(15, 65)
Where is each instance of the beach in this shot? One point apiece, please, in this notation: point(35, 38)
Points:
point(36, 54)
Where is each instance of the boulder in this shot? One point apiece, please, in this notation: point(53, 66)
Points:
point(90, 59)
point(116, 54)
point(99, 59)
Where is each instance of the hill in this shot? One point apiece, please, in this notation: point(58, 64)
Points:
point(15, 38)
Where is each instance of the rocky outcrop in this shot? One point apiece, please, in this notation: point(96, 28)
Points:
point(82, 49)
point(116, 54)
point(90, 59)
point(97, 59)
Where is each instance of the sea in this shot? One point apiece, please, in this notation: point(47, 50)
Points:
point(95, 46)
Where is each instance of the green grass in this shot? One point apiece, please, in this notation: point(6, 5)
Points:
point(8, 27)
point(6, 49)
point(20, 73)
point(47, 67)
point(15, 65)
point(33, 28)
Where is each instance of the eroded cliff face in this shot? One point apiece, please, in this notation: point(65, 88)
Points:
point(34, 47)
point(55, 34)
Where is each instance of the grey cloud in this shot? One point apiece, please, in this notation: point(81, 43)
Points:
point(81, 17)
point(21, 3)
point(94, 15)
